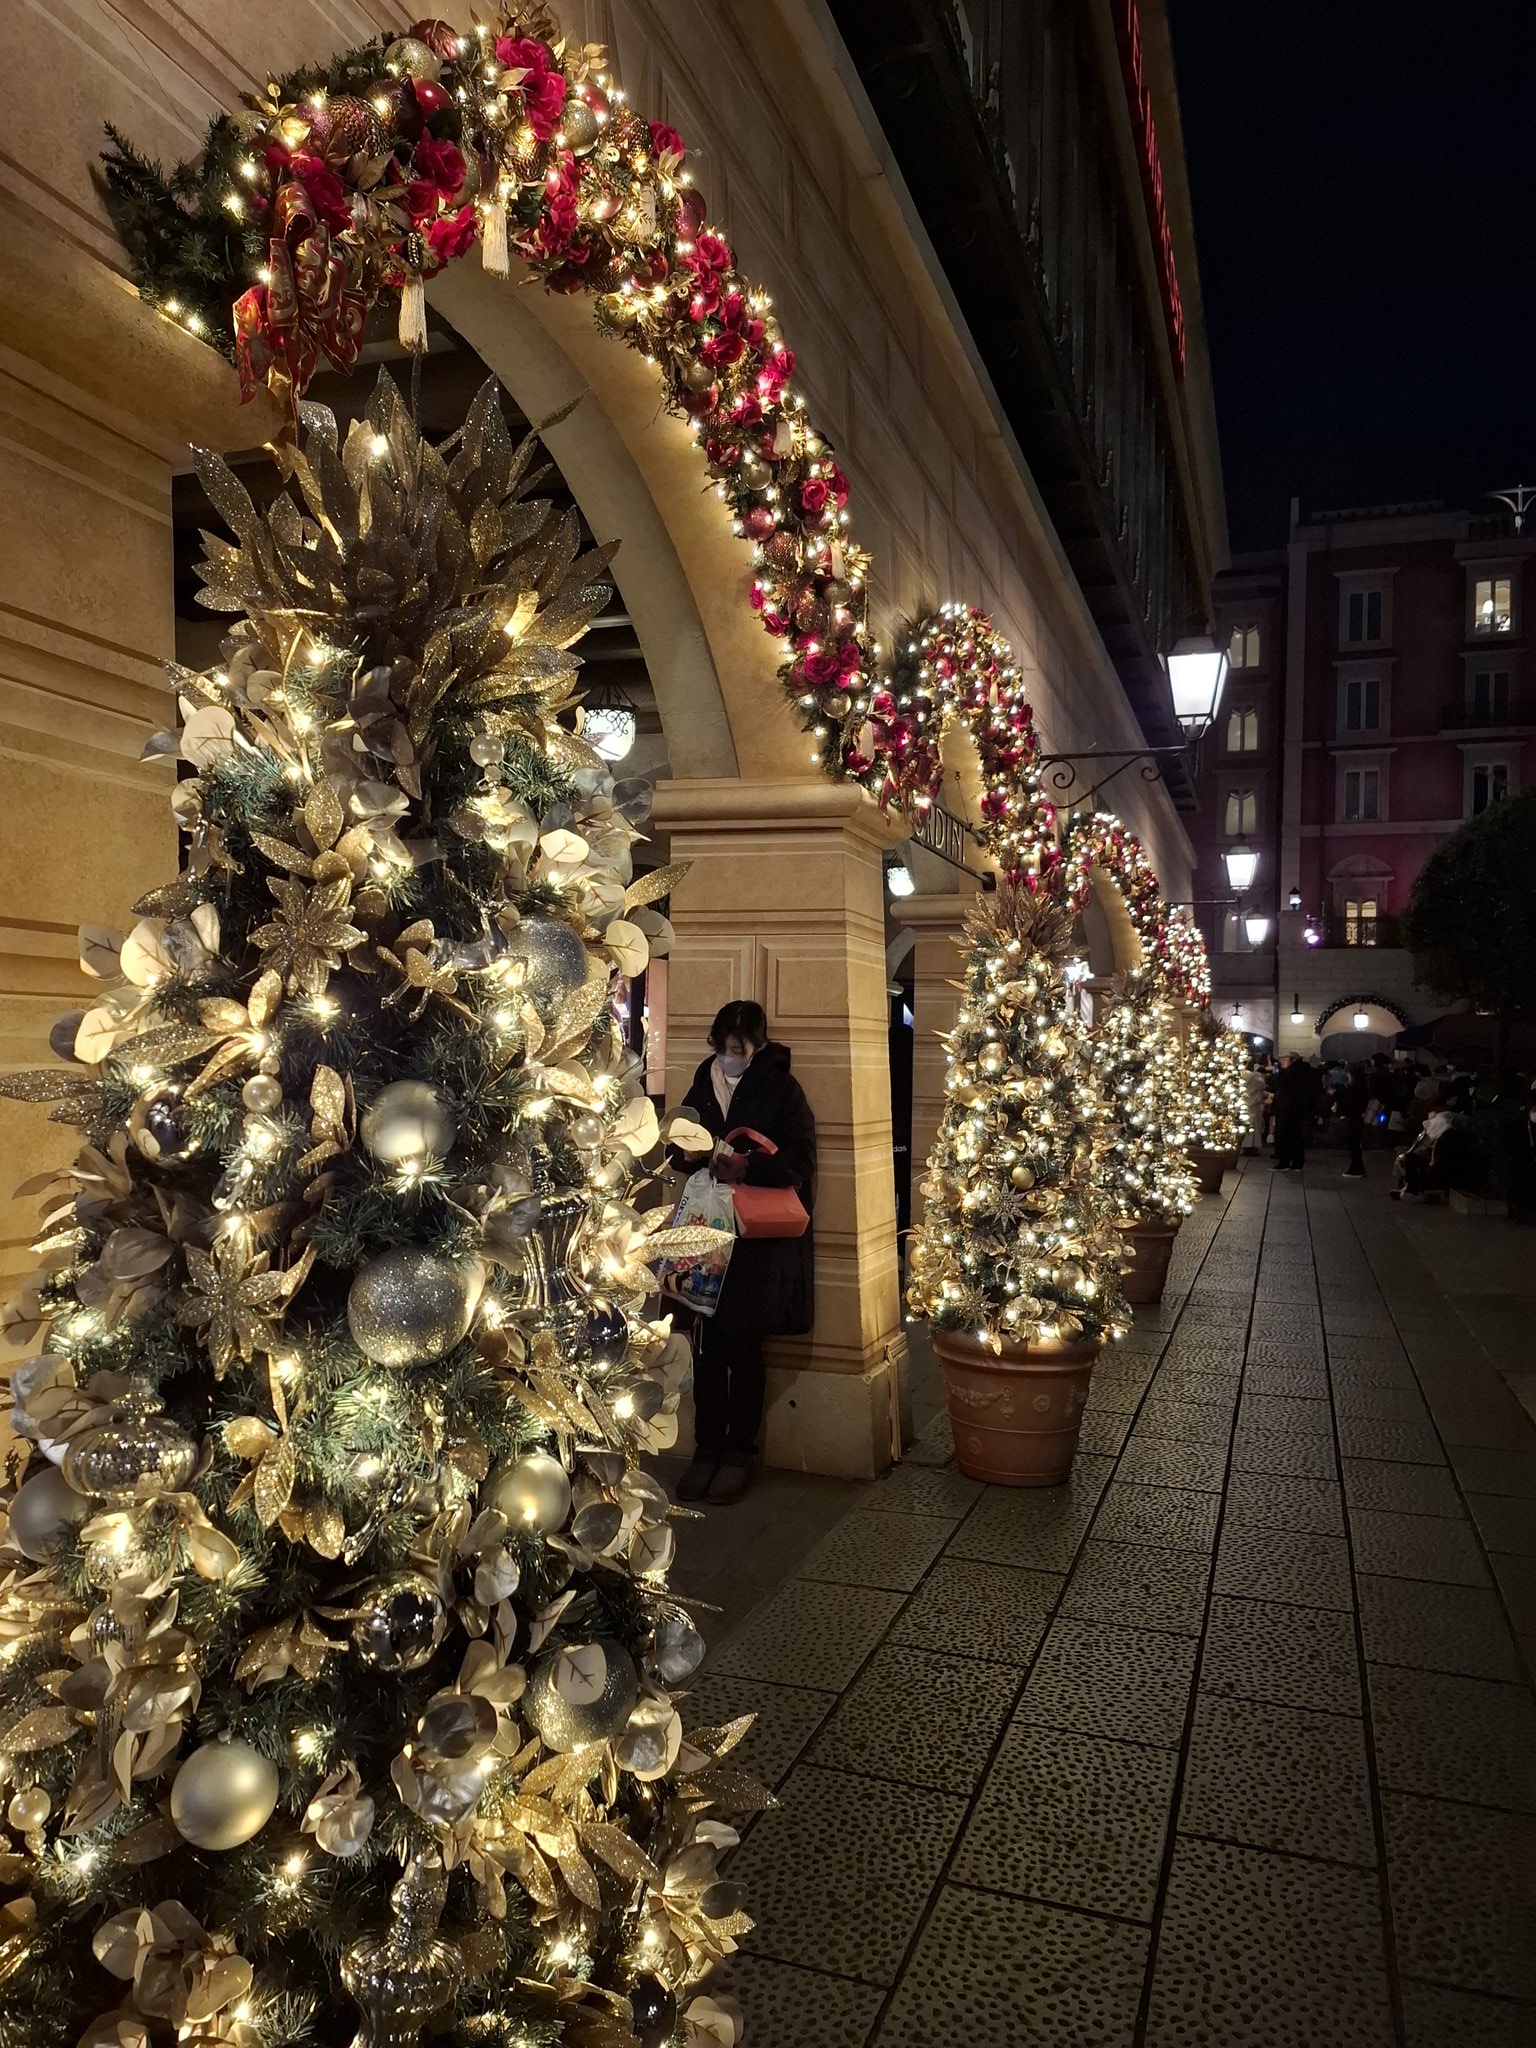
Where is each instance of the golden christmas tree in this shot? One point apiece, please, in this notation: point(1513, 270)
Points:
point(339, 1661)
point(1136, 1061)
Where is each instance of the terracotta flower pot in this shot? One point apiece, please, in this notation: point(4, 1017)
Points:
point(1208, 1168)
point(1015, 1414)
point(1147, 1274)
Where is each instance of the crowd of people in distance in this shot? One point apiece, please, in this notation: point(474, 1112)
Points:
point(1449, 1129)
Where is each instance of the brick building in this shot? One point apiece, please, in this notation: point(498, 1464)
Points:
point(1380, 693)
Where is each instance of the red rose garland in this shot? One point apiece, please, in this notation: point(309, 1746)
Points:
point(1171, 944)
point(503, 138)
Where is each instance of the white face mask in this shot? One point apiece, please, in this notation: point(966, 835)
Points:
point(733, 1064)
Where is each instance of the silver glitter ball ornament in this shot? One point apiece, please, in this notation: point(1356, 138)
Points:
point(402, 1623)
point(408, 1121)
point(223, 1795)
point(160, 1127)
point(553, 955)
point(697, 374)
point(136, 1451)
point(533, 1492)
point(45, 1510)
point(407, 1307)
point(584, 1693)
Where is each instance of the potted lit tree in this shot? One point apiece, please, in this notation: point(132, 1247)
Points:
point(1148, 1179)
point(1212, 1111)
point(1016, 1265)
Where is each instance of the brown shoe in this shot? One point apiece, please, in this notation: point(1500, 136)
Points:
point(695, 1481)
point(731, 1481)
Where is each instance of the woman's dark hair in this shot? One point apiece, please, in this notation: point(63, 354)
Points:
point(746, 1021)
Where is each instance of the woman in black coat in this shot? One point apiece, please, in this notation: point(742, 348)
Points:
point(769, 1285)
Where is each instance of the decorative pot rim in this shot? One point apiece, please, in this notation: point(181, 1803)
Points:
point(1015, 1356)
point(1153, 1227)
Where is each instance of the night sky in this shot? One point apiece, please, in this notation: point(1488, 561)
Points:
point(1364, 181)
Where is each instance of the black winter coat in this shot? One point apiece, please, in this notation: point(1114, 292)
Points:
point(770, 1283)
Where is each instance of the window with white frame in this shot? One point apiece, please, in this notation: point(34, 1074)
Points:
point(1242, 812)
point(1361, 703)
point(1492, 604)
point(1360, 920)
point(1488, 696)
point(1243, 730)
point(1489, 784)
point(1362, 794)
point(1362, 617)
point(1243, 651)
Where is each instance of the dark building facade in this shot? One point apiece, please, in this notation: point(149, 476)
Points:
point(1381, 692)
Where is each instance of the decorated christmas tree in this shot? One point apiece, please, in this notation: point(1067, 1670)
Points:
point(1136, 1061)
point(338, 1654)
point(1018, 1243)
point(1212, 1109)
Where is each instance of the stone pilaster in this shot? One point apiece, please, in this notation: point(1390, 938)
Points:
point(937, 924)
point(784, 907)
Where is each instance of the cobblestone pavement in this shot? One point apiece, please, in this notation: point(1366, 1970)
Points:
point(1231, 1742)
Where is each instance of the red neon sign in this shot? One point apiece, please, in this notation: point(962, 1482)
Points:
point(1152, 177)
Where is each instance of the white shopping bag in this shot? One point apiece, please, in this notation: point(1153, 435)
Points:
point(696, 1282)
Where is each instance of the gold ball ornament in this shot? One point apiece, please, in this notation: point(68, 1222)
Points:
point(755, 471)
point(262, 1094)
point(408, 1121)
point(533, 1493)
point(45, 1510)
point(402, 1624)
point(1022, 1176)
point(407, 1307)
point(29, 1809)
point(697, 375)
point(408, 57)
point(580, 126)
point(583, 1693)
point(223, 1795)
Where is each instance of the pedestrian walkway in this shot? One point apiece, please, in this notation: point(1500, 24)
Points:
point(1231, 1742)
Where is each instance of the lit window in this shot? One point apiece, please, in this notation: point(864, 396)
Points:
point(1490, 784)
point(1242, 812)
point(1244, 650)
point(1492, 607)
point(1360, 921)
point(1362, 703)
point(1362, 794)
point(1243, 732)
point(1490, 696)
point(1362, 616)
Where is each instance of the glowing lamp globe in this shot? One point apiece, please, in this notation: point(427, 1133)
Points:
point(1241, 862)
point(609, 729)
point(898, 879)
point(1361, 1020)
point(1256, 925)
point(1197, 668)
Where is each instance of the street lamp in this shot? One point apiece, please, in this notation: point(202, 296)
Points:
point(1298, 1014)
point(1197, 668)
point(1256, 925)
point(898, 879)
point(1294, 899)
point(1362, 1018)
point(1242, 864)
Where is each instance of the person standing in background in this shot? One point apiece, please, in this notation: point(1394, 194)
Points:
point(769, 1284)
point(1293, 1105)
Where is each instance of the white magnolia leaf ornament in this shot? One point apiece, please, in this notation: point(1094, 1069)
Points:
point(635, 1127)
point(146, 959)
point(209, 735)
point(100, 946)
point(628, 945)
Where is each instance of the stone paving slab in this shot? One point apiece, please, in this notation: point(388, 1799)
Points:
point(1228, 1743)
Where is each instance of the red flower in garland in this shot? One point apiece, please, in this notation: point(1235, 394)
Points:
point(816, 493)
point(324, 190)
point(667, 143)
point(541, 87)
point(834, 669)
point(442, 162)
point(708, 262)
point(451, 235)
